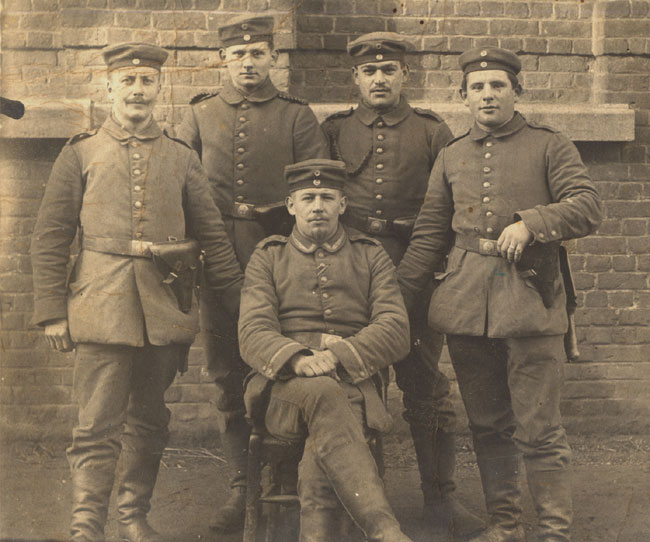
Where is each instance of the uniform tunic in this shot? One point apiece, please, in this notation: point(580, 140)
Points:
point(124, 190)
point(480, 184)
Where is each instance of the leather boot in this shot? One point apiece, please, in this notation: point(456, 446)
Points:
point(91, 492)
point(551, 493)
point(234, 443)
point(352, 471)
point(436, 455)
point(322, 525)
point(138, 468)
point(501, 487)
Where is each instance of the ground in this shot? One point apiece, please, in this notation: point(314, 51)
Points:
point(612, 490)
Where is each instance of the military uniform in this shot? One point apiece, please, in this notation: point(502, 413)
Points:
point(505, 334)
point(342, 296)
point(125, 191)
point(244, 142)
point(389, 155)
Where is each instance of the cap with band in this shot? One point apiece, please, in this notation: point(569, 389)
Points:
point(245, 30)
point(134, 55)
point(316, 173)
point(379, 46)
point(489, 58)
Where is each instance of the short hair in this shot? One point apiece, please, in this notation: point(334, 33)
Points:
point(514, 81)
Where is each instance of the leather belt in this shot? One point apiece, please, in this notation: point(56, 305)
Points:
point(485, 247)
point(121, 247)
point(243, 210)
point(368, 224)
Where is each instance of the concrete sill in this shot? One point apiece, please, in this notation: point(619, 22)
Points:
point(64, 118)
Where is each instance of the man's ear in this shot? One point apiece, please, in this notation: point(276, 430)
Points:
point(289, 203)
point(274, 56)
point(343, 204)
point(222, 54)
point(355, 74)
point(406, 70)
point(463, 95)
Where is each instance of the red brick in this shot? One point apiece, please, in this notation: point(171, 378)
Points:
point(541, 10)
point(560, 46)
point(535, 45)
point(639, 9)
point(467, 9)
point(312, 23)
point(643, 262)
point(620, 300)
point(583, 281)
point(84, 18)
point(635, 227)
point(566, 11)
point(635, 317)
point(513, 27)
point(627, 27)
point(465, 27)
point(359, 24)
point(639, 245)
point(610, 227)
point(492, 9)
point(624, 263)
point(596, 299)
point(518, 10)
point(622, 281)
point(184, 20)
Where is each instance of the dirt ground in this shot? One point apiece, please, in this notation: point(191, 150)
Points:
point(612, 490)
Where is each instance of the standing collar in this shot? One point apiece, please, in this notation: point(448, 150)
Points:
point(393, 116)
point(263, 93)
point(116, 130)
point(303, 244)
point(515, 124)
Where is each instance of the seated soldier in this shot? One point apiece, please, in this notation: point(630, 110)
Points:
point(321, 316)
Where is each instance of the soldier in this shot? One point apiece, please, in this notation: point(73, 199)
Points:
point(389, 149)
point(505, 194)
point(128, 307)
point(245, 134)
point(321, 316)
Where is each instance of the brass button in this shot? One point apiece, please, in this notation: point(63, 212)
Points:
point(489, 143)
point(380, 137)
point(134, 143)
point(379, 197)
point(241, 150)
point(331, 331)
point(137, 204)
point(486, 184)
point(241, 134)
point(245, 106)
point(136, 172)
point(486, 200)
point(380, 166)
point(380, 124)
point(328, 312)
point(242, 119)
point(486, 169)
point(378, 211)
point(489, 230)
point(489, 214)
point(137, 188)
point(240, 166)
point(553, 233)
point(323, 279)
point(240, 198)
point(138, 235)
point(541, 235)
point(379, 180)
point(325, 295)
point(488, 155)
point(320, 254)
point(240, 182)
point(380, 150)
point(136, 156)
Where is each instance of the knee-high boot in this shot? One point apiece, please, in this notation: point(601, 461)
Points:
point(352, 471)
point(551, 493)
point(91, 492)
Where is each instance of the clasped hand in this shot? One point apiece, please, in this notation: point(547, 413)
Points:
point(513, 240)
point(322, 362)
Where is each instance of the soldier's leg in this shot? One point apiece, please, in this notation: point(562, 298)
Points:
point(536, 366)
point(101, 390)
point(320, 408)
point(228, 370)
point(145, 437)
point(431, 418)
point(481, 368)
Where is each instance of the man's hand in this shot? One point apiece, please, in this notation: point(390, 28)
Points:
point(319, 364)
point(513, 240)
point(57, 334)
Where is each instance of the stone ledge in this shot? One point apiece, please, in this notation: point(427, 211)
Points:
point(64, 118)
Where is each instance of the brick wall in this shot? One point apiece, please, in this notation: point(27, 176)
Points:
point(573, 52)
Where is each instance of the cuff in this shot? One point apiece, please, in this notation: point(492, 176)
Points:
point(276, 363)
point(351, 360)
point(49, 308)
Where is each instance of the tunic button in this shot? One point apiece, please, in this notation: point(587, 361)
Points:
point(488, 143)
point(553, 233)
point(486, 169)
point(240, 182)
point(488, 155)
point(379, 197)
point(242, 119)
point(323, 279)
point(241, 150)
point(541, 235)
point(137, 204)
point(138, 235)
point(240, 166)
point(241, 134)
point(320, 254)
point(240, 198)
point(380, 150)
point(328, 312)
point(378, 212)
point(489, 214)
point(244, 106)
point(136, 172)
point(379, 181)
point(137, 188)
point(325, 295)
point(380, 166)
point(486, 200)
point(489, 230)
point(136, 156)
point(380, 124)
point(486, 184)
point(331, 331)
point(134, 143)
point(380, 137)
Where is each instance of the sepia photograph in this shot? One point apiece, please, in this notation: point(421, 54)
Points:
point(324, 270)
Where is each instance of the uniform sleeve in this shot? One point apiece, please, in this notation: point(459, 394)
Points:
point(439, 138)
point(221, 268)
point(430, 238)
point(309, 140)
point(261, 342)
point(56, 226)
point(577, 207)
point(188, 131)
point(385, 339)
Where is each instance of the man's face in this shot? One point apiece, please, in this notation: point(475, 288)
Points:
point(380, 83)
point(490, 97)
point(317, 211)
point(133, 91)
point(249, 65)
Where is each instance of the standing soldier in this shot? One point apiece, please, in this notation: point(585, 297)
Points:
point(136, 195)
point(245, 135)
point(389, 149)
point(504, 195)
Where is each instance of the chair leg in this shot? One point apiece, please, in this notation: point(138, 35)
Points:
point(253, 483)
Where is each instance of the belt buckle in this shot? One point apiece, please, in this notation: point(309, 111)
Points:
point(376, 225)
point(140, 248)
point(244, 210)
point(488, 247)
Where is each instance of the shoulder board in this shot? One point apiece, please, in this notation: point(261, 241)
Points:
point(291, 98)
point(83, 135)
point(176, 139)
point(272, 240)
point(358, 237)
point(203, 96)
point(542, 127)
point(428, 113)
point(461, 136)
point(340, 114)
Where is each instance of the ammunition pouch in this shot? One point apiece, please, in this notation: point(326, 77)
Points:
point(539, 265)
point(180, 263)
